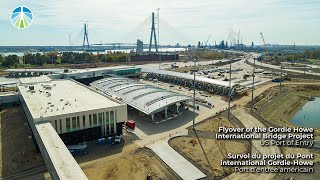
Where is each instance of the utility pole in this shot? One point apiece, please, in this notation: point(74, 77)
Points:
point(69, 41)
point(229, 98)
point(194, 93)
point(280, 77)
point(254, 65)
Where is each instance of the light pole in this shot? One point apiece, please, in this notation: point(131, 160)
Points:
point(280, 80)
point(229, 93)
point(194, 93)
point(254, 65)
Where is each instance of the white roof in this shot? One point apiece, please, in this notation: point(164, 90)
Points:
point(7, 83)
point(146, 98)
point(73, 71)
point(189, 77)
point(64, 164)
point(62, 97)
point(35, 70)
point(35, 79)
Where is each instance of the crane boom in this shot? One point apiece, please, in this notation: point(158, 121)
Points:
point(264, 42)
point(208, 40)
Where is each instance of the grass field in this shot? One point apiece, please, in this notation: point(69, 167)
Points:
point(281, 110)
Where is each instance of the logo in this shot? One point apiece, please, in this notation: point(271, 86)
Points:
point(21, 17)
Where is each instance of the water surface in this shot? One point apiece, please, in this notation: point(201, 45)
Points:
point(309, 115)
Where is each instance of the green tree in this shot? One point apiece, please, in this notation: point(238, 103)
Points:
point(1, 59)
point(10, 60)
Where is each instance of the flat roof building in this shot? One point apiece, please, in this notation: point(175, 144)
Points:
point(70, 106)
point(71, 110)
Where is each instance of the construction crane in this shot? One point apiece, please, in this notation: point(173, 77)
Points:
point(238, 40)
point(206, 44)
point(264, 44)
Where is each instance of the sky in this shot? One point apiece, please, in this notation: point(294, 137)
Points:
point(184, 22)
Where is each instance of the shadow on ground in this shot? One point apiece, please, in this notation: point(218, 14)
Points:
point(145, 124)
point(17, 149)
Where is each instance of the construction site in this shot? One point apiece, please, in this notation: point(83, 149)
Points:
point(151, 111)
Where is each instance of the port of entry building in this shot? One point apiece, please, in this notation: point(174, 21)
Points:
point(147, 99)
point(77, 112)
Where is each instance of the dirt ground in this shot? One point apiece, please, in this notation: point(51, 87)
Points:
point(302, 176)
point(215, 151)
point(294, 150)
point(17, 149)
point(212, 124)
point(136, 165)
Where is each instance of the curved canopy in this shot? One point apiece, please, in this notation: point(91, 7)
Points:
point(146, 98)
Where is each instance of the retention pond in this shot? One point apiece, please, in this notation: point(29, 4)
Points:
point(309, 115)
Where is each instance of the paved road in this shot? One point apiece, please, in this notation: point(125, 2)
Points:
point(159, 142)
point(278, 68)
point(249, 121)
point(175, 161)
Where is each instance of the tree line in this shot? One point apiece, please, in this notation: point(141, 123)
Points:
point(291, 57)
point(39, 59)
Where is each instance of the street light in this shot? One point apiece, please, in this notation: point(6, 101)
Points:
point(229, 96)
point(194, 92)
point(254, 65)
point(280, 80)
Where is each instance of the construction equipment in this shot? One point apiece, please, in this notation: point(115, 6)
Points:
point(206, 44)
point(264, 44)
point(238, 40)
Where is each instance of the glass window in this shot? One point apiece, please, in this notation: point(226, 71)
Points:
point(107, 118)
point(78, 122)
point(68, 124)
point(74, 122)
point(111, 118)
point(60, 126)
point(95, 119)
point(90, 120)
point(100, 118)
point(84, 121)
point(56, 125)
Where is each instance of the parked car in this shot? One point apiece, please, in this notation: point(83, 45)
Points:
point(131, 124)
point(117, 139)
point(78, 149)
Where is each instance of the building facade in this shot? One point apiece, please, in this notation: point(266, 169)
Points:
point(77, 112)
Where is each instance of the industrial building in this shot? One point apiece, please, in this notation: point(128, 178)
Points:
point(86, 75)
point(139, 47)
point(86, 112)
point(63, 112)
point(154, 57)
point(147, 99)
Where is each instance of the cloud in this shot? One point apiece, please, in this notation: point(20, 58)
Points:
point(189, 21)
